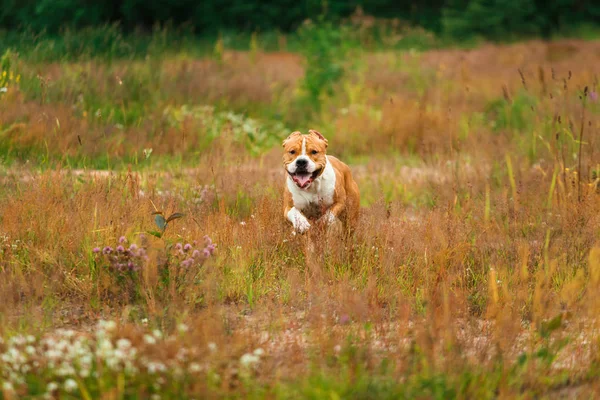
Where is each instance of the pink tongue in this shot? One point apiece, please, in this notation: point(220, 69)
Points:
point(302, 180)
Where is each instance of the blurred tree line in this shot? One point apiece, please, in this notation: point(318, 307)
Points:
point(458, 18)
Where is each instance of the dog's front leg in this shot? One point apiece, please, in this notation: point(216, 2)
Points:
point(332, 214)
point(298, 219)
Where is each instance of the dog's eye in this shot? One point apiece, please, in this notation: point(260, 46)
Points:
point(292, 151)
point(314, 152)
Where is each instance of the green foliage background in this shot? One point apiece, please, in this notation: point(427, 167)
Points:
point(488, 18)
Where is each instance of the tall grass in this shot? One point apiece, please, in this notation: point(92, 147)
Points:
point(472, 274)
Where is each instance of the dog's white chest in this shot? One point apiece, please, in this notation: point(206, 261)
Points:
point(315, 200)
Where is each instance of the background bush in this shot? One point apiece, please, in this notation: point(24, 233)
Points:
point(489, 18)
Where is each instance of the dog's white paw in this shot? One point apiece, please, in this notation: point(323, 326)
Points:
point(299, 221)
point(329, 218)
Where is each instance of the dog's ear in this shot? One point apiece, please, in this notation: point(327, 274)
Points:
point(319, 135)
point(296, 133)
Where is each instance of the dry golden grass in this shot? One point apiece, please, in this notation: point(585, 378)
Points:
point(473, 237)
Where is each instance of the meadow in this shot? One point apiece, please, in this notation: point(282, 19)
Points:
point(144, 254)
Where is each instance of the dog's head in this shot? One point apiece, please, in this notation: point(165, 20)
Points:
point(304, 157)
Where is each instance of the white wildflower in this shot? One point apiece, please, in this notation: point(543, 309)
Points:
point(119, 354)
point(259, 352)
point(212, 346)
point(68, 333)
point(7, 386)
point(247, 360)
point(17, 340)
point(70, 385)
point(51, 387)
point(112, 363)
point(63, 345)
point(194, 368)
point(16, 378)
point(123, 344)
point(53, 354)
point(154, 367)
point(106, 326)
point(65, 369)
point(149, 339)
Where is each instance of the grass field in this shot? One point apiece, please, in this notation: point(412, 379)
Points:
point(474, 271)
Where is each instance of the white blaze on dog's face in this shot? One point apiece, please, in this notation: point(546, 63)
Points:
point(304, 157)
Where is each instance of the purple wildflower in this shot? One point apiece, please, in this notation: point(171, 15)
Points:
point(123, 259)
point(96, 250)
point(196, 254)
point(344, 319)
point(187, 263)
point(211, 248)
point(206, 253)
point(594, 96)
point(187, 247)
point(178, 246)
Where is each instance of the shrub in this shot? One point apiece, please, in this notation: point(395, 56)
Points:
point(325, 49)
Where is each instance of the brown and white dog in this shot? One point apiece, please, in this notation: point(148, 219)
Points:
point(319, 188)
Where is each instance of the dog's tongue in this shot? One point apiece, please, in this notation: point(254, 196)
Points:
point(302, 180)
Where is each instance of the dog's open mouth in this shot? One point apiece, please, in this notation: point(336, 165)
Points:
point(303, 178)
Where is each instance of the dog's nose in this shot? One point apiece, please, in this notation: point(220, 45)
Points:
point(301, 163)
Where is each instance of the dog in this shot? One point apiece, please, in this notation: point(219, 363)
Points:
point(318, 187)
